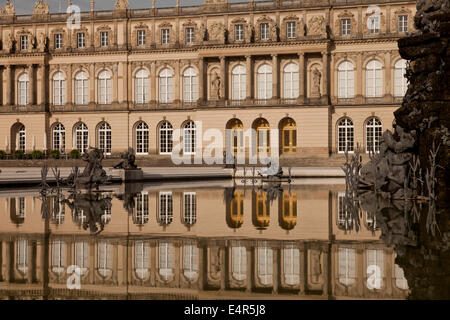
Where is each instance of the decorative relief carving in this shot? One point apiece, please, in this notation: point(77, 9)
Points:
point(299, 27)
point(316, 26)
point(216, 33)
point(10, 43)
point(8, 9)
point(41, 8)
point(401, 12)
point(353, 23)
point(42, 42)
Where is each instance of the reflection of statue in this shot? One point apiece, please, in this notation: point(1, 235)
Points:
point(215, 86)
point(316, 76)
point(128, 162)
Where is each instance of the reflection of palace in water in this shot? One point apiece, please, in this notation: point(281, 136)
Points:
point(197, 243)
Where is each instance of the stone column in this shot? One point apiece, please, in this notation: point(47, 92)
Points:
point(325, 62)
point(275, 77)
point(9, 92)
point(153, 80)
point(249, 77)
point(42, 70)
point(31, 89)
point(69, 82)
point(201, 80)
point(223, 73)
point(301, 76)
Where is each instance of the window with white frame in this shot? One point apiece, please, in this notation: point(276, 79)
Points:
point(239, 83)
point(400, 80)
point(142, 213)
point(104, 38)
point(346, 80)
point(165, 138)
point(238, 32)
point(142, 138)
point(104, 259)
point(21, 212)
point(265, 265)
point(190, 262)
point(59, 89)
point(141, 259)
point(345, 135)
point(189, 208)
point(81, 40)
point(104, 87)
point(374, 24)
point(58, 212)
point(347, 263)
point(239, 263)
point(344, 218)
point(165, 214)
point(166, 86)
point(345, 27)
point(142, 86)
point(22, 256)
point(190, 35)
point(403, 23)
point(22, 139)
point(189, 138)
point(165, 260)
point(190, 85)
point(264, 31)
point(23, 90)
point(291, 27)
point(165, 36)
point(374, 130)
point(24, 42)
point(375, 268)
point(81, 88)
point(374, 79)
point(81, 137)
point(141, 37)
point(59, 137)
point(82, 256)
point(58, 41)
point(264, 82)
point(291, 81)
point(291, 265)
point(104, 138)
point(58, 257)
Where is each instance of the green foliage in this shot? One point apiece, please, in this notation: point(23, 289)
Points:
point(2, 154)
point(55, 154)
point(19, 154)
point(75, 154)
point(36, 154)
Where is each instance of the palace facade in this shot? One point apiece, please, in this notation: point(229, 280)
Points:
point(326, 73)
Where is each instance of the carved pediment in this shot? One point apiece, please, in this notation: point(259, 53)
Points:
point(239, 21)
point(41, 8)
point(8, 9)
point(291, 17)
point(104, 28)
point(189, 23)
point(264, 19)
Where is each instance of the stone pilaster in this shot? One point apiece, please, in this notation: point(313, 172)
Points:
point(275, 94)
point(301, 75)
point(223, 73)
point(249, 68)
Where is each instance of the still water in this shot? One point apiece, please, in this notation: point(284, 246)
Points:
point(208, 240)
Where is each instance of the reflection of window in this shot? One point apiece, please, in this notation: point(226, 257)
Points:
point(141, 259)
point(58, 257)
point(59, 211)
point(261, 209)
point(291, 266)
point(374, 268)
point(239, 263)
point(289, 211)
point(142, 215)
point(165, 251)
point(265, 265)
point(400, 280)
point(346, 259)
point(81, 256)
point(165, 208)
point(190, 261)
point(104, 259)
point(22, 256)
point(237, 208)
point(20, 202)
point(345, 219)
point(190, 208)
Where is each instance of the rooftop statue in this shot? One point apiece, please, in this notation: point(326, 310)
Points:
point(41, 7)
point(121, 5)
point(8, 9)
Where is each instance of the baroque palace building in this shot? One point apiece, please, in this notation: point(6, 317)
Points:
point(326, 73)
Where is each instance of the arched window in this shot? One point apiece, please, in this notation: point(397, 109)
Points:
point(239, 263)
point(21, 137)
point(291, 81)
point(346, 80)
point(81, 256)
point(81, 137)
point(291, 265)
point(235, 210)
point(260, 210)
point(189, 208)
point(22, 256)
point(264, 81)
point(238, 83)
point(23, 90)
point(400, 80)
point(374, 130)
point(142, 138)
point(141, 259)
point(374, 79)
point(58, 257)
point(190, 262)
point(141, 87)
point(59, 137)
point(347, 271)
point(189, 138)
point(165, 138)
point(142, 215)
point(265, 265)
point(59, 89)
point(235, 137)
point(375, 268)
point(165, 260)
point(165, 216)
point(190, 85)
point(288, 211)
point(345, 135)
point(104, 138)
point(81, 88)
point(166, 86)
point(104, 261)
point(288, 136)
point(104, 87)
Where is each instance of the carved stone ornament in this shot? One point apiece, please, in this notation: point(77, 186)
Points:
point(41, 8)
point(42, 42)
point(121, 5)
point(8, 9)
point(216, 32)
point(10, 41)
point(316, 26)
point(315, 85)
point(216, 83)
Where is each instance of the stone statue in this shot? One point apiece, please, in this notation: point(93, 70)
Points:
point(249, 33)
point(121, 5)
point(33, 42)
point(215, 86)
point(128, 162)
point(274, 32)
point(202, 33)
point(428, 11)
point(40, 8)
point(8, 9)
point(316, 77)
point(42, 43)
point(10, 42)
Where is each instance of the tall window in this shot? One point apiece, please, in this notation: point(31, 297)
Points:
point(374, 131)
point(291, 265)
point(165, 216)
point(21, 212)
point(81, 137)
point(190, 35)
point(345, 27)
point(23, 42)
point(165, 260)
point(141, 86)
point(104, 259)
point(81, 40)
point(82, 256)
point(142, 137)
point(190, 262)
point(58, 257)
point(265, 31)
point(291, 30)
point(288, 136)
point(189, 208)
point(58, 41)
point(141, 259)
point(81, 88)
point(59, 137)
point(166, 86)
point(346, 80)
point(264, 79)
point(262, 136)
point(59, 89)
point(345, 218)
point(239, 83)
point(238, 32)
point(190, 85)
point(265, 265)
point(141, 37)
point(239, 263)
point(347, 261)
point(374, 24)
point(142, 215)
point(104, 138)
point(400, 80)
point(345, 136)
point(403, 23)
point(22, 256)
point(23, 90)
point(374, 79)
point(189, 138)
point(165, 138)
point(104, 38)
point(104, 87)
point(291, 81)
point(165, 36)
point(22, 139)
